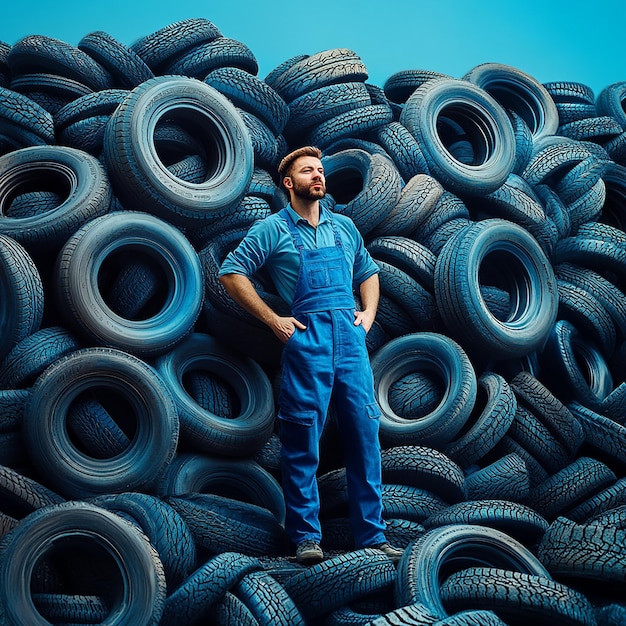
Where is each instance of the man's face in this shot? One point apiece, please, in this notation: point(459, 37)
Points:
point(307, 178)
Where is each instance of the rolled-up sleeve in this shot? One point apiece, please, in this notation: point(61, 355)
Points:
point(251, 253)
point(364, 264)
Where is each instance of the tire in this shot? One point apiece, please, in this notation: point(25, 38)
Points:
point(249, 426)
point(78, 176)
point(585, 552)
point(576, 368)
point(339, 580)
point(515, 519)
point(429, 469)
point(31, 356)
point(570, 486)
point(242, 479)
point(23, 121)
point(492, 416)
point(268, 601)
point(125, 66)
point(135, 580)
point(518, 92)
point(46, 55)
point(453, 548)
point(418, 199)
point(338, 65)
point(202, 59)
point(251, 94)
point(163, 526)
point(137, 173)
point(22, 295)
point(135, 388)
point(406, 254)
point(102, 248)
point(424, 352)
point(206, 586)
point(159, 47)
point(506, 479)
point(529, 278)
point(22, 495)
point(366, 187)
point(481, 119)
point(241, 527)
point(516, 596)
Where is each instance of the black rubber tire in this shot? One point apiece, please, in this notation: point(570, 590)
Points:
point(239, 527)
point(492, 415)
point(517, 597)
point(103, 246)
point(78, 176)
point(518, 92)
point(248, 92)
point(268, 601)
point(585, 552)
point(159, 47)
point(515, 519)
point(31, 356)
point(482, 120)
point(429, 352)
point(605, 437)
point(570, 486)
point(423, 467)
point(408, 255)
point(136, 582)
point(22, 495)
point(243, 479)
point(418, 199)
point(533, 394)
point(139, 176)
point(317, 106)
point(202, 59)
point(163, 526)
point(248, 427)
point(340, 580)
point(46, 55)
point(506, 478)
point(23, 121)
point(125, 66)
point(22, 295)
point(206, 586)
point(143, 395)
point(575, 368)
point(308, 73)
point(453, 548)
point(516, 261)
point(365, 186)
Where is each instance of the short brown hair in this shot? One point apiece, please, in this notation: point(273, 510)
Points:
point(284, 169)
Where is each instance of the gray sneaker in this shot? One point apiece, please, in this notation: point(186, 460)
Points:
point(308, 552)
point(387, 549)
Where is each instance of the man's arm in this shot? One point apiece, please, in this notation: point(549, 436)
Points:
point(370, 293)
point(242, 291)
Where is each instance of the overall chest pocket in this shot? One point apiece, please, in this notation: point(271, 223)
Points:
point(328, 274)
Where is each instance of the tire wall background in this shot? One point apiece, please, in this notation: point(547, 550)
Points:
point(137, 400)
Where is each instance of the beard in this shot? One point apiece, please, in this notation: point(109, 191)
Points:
point(307, 192)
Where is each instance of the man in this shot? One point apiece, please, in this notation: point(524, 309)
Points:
point(314, 256)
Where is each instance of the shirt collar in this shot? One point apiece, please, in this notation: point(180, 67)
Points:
point(324, 214)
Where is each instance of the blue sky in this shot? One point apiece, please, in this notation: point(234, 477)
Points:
point(552, 40)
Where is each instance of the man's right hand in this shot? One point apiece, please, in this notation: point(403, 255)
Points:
point(284, 327)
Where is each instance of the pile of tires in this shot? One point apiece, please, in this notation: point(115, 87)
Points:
point(139, 472)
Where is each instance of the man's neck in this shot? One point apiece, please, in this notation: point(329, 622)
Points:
point(307, 209)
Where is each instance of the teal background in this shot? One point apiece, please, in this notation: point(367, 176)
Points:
point(552, 40)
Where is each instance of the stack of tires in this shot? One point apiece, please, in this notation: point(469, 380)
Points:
point(139, 472)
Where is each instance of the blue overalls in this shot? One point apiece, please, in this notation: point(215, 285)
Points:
point(329, 357)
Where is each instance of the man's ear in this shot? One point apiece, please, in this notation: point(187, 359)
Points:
point(288, 182)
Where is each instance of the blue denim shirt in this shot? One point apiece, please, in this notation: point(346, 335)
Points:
point(270, 244)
